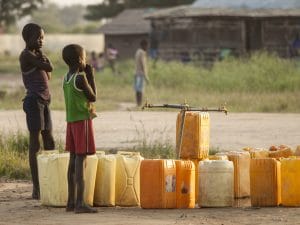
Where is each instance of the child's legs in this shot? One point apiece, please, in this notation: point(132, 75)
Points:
point(33, 119)
point(46, 132)
point(34, 146)
point(71, 181)
point(79, 179)
point(48, 139)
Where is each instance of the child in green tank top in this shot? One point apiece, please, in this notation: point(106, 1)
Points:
point(79, 92)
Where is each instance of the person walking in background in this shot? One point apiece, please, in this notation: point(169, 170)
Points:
point(79, 91)
point(141, 71)
point(36, 71)
point(111, 56)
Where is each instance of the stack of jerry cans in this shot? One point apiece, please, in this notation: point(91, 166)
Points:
point(194, 143)
point(128, 178)
point(105, 181)
point(216, 183)
point(53, 169)
point(185, 184)
point(241, 163)
point(265, 182)
point(158, 183)
point(290, 182)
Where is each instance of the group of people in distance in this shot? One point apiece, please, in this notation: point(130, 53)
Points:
point(79, 93)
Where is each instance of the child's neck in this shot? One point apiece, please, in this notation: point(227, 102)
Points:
point(73, 70)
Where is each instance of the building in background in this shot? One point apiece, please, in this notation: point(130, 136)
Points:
point(211, 33)
point(125, 31)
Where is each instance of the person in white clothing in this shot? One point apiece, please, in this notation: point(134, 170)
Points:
point(141, 71)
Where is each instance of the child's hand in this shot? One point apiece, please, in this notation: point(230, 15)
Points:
point(88, 70)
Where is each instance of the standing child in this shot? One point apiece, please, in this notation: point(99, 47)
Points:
point(79, 91)
point(141, 71)
point(36, 71)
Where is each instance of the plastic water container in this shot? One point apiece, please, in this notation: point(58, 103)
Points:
point(265, 182)
point(216, 183)
point(105, 181)
point(128, 178)
point(53, 169)
point(90, 172)
point(196, 163)
point(241, 163)
point(259, 154)
point(185, 184)
point(217, 157)
point(158, 183)
point(195, 138)
point(290, 183)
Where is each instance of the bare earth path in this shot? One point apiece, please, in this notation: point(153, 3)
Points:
point(126, 129)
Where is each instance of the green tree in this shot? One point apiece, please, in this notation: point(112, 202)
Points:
point(11, 10)
point(111, 8)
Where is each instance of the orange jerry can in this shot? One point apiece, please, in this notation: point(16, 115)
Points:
point(195, 135)
point(196, 163)
point(185, 184)
point(265, 182)
point(158, 184)
point(290, 183)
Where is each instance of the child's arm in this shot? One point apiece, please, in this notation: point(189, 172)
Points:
point(90, 77)
point(83, 84)
point(36, 61)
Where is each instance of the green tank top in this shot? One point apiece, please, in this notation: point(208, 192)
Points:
point(75, 100)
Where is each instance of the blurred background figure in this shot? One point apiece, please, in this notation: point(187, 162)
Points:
point(111, 56)
point(154, 43)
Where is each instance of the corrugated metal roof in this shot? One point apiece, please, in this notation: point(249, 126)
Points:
point(252, 4)
point(188, 11)
point(130, 21)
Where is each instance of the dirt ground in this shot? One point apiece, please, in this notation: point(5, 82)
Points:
point(17, 208)
point(124, 129)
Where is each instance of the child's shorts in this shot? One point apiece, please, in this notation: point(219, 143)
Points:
point(80, 137)
point(38, 115)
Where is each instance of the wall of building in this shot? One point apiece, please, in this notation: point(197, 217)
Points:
point(206, 38)
point(14, 44)
point(125, 44)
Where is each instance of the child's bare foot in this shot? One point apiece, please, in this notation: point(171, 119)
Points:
point(35, 194)
point(85, 209)
point(70, 207)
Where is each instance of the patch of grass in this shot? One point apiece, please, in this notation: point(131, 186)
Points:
point(14, 162)
point(260, 83)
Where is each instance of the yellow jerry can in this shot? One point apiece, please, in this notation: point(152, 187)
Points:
point(90, 172)
point(105, 181)
point(128, 178)
point(290, 182)
point(241, 162)
point(53, 169)
point(195, 135)
point(265, 182)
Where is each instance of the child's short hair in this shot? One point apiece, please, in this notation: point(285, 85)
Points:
point(29, 30)
point(71, 54)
